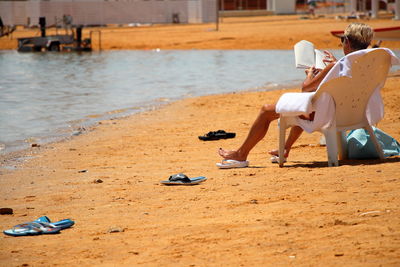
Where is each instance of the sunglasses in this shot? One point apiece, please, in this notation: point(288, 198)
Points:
point(343, 38)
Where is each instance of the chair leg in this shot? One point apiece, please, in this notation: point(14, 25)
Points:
point(331, 146)
point(282, 132)
point(342, 145)
point(375, 141)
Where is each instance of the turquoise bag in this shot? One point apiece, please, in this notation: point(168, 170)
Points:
point(360, 145)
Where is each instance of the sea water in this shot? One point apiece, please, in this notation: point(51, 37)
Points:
point(47, 96)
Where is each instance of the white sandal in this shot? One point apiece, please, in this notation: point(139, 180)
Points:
point(231, 163)
point(275, 159)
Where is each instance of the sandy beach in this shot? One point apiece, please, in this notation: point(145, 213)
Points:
point(268, 32)
point(107, 180)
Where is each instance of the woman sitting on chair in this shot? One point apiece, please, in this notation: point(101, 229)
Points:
point(357, 36)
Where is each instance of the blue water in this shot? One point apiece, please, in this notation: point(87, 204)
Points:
point(45, 96)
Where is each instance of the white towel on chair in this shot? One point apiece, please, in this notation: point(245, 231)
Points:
point(295, 104)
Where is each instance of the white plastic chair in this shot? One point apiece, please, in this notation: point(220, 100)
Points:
point(351, 96)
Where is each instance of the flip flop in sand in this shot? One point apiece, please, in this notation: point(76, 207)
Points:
point(63, 224)
point(182, 179)
point(231, 163)
point(275, 159)
point(216, 135)
point(32, 228)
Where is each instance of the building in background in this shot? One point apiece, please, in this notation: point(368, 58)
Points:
point(373, 6)
point(104, 12)
point(324, 6)
point(275, 6)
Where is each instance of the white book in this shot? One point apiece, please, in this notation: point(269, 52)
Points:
point(307, 56)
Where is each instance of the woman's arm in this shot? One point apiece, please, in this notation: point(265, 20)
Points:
point(315, 76)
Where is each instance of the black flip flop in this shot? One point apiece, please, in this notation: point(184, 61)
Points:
point(216, 135)
point(182, 179)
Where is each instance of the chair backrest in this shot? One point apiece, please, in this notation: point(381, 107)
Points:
point(351, 94)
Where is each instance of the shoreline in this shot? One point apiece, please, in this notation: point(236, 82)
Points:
point(12, 159)
point(16, 157)
point(78, 125)
point(16, 152)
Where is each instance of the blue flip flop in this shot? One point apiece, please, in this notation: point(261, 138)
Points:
point(63, 224)
point(32, 228)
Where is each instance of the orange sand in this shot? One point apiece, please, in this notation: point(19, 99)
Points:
point(269, 32)
point(304, 214)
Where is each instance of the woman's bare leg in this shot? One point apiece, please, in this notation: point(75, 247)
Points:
point(294, 134)
point(255, 135)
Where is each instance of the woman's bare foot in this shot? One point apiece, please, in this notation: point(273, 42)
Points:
point(275, 152)
point(231, 154)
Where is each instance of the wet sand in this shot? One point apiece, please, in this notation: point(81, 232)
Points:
point(107, 180)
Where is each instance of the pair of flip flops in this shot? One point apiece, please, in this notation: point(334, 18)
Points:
point(216, 135)
point(43, 225)
point(231, 163)
point(182, 179)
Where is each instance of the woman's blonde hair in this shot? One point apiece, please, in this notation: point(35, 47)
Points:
point(359, 34)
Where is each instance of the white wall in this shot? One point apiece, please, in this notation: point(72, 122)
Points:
point(194, 12)
point(397, 10)
point(282, 6)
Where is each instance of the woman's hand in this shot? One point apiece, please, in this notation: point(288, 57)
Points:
point(315, 76)
point(312, 72)
point(329, 58)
